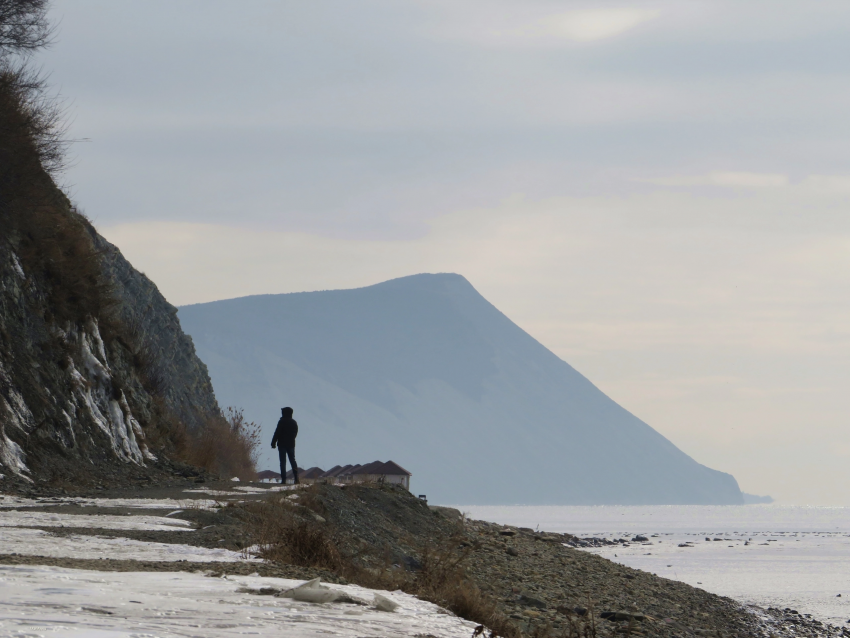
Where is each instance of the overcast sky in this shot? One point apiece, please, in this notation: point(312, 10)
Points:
point(656, 191)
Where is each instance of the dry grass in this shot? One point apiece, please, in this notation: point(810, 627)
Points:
point(54, 241)
point(285, 534)
point(225, 445)
point(443, 580)
point(285, 538)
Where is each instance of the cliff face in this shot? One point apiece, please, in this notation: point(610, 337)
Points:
point(97, 380)
point(95, 399)
point(178, 374)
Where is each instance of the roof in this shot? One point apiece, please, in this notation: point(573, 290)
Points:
point(312, 473)
point(391, 468)
point(267, 474)
point(369, 468)
point(336, 469)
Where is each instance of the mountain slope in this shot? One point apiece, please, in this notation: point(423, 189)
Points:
point(425, 371)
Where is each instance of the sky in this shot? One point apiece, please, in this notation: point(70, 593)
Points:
point(656, 191)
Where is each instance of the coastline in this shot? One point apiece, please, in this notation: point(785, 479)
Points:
point(543, 585)
point(728, 550)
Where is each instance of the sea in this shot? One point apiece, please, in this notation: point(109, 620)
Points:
point(795, 557)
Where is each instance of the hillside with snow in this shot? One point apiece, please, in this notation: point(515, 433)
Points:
point(424, 371)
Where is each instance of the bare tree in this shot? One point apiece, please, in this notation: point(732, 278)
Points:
point(23, 26)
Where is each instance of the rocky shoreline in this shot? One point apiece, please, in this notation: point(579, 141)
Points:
point(543, 581)
point(546, 584)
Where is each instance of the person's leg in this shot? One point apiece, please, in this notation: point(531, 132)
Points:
point(282, 455)
point(291, 452)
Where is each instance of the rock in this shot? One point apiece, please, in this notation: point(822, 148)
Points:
point(511, 551)
point(508, 532)
point(530, 601)
point(621, 616)
point(639, 539)
point(449, 512)
point(382, 603)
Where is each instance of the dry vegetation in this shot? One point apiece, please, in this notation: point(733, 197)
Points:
point(225, 445)
point(286, 535)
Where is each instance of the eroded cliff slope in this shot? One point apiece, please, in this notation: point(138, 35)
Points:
point(97, 380)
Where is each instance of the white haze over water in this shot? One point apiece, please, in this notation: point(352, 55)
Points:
point(796, 556)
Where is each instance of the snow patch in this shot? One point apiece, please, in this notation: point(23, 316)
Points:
point(12, 457)
point(16, 266)
point(93, 392)
point(8, 502)
point(97, 521)
point(70, 602)
point(15, 413)
point(36, 542)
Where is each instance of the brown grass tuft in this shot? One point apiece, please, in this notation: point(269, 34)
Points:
point(225, 445)
point(285, 533)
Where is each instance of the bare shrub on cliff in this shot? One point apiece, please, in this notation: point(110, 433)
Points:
point(55, 242)
point(227, 445)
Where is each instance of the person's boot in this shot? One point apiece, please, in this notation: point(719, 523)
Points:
point(295, 474)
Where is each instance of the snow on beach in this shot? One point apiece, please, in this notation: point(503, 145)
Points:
point(37, 600)
point(42, 600)
point(36, 542)
point(10, 502)
point(25, 518)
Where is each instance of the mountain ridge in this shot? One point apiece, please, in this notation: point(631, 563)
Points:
point(424, 370)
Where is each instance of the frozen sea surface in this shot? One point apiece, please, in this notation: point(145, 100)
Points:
point(71, 603)
point(770, 555)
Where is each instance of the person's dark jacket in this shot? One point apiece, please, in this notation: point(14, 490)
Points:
point(285, 433)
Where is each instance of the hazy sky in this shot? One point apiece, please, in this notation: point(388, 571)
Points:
point(656, 191)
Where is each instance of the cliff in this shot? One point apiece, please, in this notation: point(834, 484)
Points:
point(97, 398)
point(98, 383)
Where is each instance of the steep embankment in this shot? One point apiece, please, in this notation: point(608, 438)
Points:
point(96, 396)
point(425, 371)
point(96, 375)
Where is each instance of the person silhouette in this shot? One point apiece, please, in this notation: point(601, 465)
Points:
point(284, 438)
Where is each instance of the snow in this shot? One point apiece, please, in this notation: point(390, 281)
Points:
point(243, 490)
point(48, 519)
point(36, 542)
point(16, 265)
point(12, 456)
point(93, 392)
point(65, 603)
point(7, 501)
point(14, 413)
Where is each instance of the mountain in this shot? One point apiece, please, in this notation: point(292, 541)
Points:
point(424, 371)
